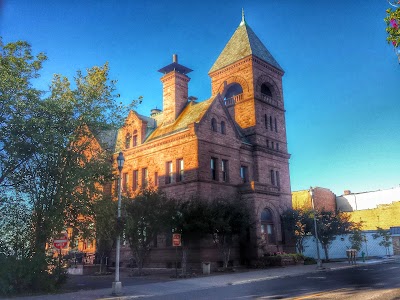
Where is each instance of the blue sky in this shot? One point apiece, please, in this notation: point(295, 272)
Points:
point(341, 86)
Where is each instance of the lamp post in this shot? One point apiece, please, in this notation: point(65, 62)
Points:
point(117, 285)
point(319, 262)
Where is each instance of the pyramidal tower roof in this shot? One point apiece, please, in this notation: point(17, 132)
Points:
point(243, 42)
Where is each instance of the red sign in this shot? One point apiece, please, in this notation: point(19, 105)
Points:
point(61, 241)
point(176, 240)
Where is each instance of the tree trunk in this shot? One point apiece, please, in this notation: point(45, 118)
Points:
point(40, 242)
point(226, 254)
point(101, 263)
point(139, 262)
point(326, 252)
point(184, 259)
point(299, 245)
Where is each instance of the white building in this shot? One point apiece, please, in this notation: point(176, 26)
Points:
point(367, 200)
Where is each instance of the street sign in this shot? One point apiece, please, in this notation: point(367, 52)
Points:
point(61, 241)
point(176, 240)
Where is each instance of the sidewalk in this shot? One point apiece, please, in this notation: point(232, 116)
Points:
point(214, 280)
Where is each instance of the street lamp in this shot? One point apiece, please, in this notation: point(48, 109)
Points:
point(319, 262)
point(117, 285)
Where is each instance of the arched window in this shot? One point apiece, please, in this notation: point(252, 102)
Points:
point(223, 129)
point(233, 94)
point(267, 226)
point(128, 140)
point(265, 90)
point(214, 125)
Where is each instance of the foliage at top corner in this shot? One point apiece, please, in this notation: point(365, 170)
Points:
point(392, 20)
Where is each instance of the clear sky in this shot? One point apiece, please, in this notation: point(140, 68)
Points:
point(341, 86)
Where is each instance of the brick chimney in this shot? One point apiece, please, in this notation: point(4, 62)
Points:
point(175, 89)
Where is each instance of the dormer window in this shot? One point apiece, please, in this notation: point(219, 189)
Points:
point(214, 124)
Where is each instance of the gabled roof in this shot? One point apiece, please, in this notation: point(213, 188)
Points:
point(150, 121)
point(151, 124)
point(107, 138)
point(192, 113)
point(243, 42)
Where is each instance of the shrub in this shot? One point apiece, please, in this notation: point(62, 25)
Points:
point(278, 260)
point(309, 261)
point(268, 261)
point(298, 257)
point(31, 274)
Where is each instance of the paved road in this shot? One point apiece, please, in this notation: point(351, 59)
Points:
point(338, 281)
point(367, 282)
point(92, 282)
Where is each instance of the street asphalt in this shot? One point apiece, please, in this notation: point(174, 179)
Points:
point(164, 286)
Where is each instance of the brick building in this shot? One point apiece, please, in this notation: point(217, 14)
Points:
point(323, 198)
point(233, 142)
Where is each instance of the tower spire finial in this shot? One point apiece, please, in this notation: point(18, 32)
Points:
point(243, 19)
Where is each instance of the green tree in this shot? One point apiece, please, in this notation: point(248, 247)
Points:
point(356, 237)
point(18, 68)
point(14, 228)
point(386, 238)
point(190, 218)
point(329, 225)
point(393, 27)
point(48, 155)
point(229, 219)
point(146, 216)
point(298, 222)
point(105, 221)
point(66, 172)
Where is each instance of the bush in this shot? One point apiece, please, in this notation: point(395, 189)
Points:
point(298, 257)
point(278, 260)
point(309, 261)
point(268, 261)
point(26, 275)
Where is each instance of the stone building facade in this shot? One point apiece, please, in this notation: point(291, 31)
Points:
point(234, 142)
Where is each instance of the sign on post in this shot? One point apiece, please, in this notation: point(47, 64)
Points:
point(176, 240)
point(61, 241)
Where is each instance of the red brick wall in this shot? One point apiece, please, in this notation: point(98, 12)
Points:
point(324, 199)
point(199, 143)
point(175, 95)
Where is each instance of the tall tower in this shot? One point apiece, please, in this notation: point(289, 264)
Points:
point(249, 80)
